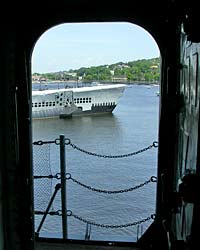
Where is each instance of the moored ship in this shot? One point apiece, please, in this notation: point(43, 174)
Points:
point(73, 101)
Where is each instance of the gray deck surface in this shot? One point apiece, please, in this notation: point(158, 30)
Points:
point(68, 246)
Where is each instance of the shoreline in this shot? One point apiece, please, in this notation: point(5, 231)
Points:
point(154, 83)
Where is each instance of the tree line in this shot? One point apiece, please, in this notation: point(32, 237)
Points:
point(147, 70)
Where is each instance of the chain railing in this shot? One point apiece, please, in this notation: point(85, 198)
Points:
point(88, 221)
point(63, 176)
point(68, 142)
point(152, 179)
point(153, 145)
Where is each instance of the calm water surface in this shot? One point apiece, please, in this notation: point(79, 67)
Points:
point(132, 126)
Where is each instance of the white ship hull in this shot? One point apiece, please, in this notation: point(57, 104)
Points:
point(74, 101)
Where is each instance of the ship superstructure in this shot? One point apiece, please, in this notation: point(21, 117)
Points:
point(73, 101)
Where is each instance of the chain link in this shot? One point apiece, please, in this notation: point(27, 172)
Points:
point(152, 179)
point(57, 176)
point(70, 213)
point(57, 212)
point(40, 143)
point(68, 142)
point(154, 145)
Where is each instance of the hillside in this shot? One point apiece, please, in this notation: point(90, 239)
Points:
point(145, 70)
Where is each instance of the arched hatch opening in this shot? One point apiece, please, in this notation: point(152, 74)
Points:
point(163, 21)
point(111, 142)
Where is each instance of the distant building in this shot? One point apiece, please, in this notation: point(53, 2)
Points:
point(38, 78)
point(112, 72)
point(122, 66)
point(43, 79)
point(35, 78)
point(74, 74)
point(154, 67)
point(119, 79)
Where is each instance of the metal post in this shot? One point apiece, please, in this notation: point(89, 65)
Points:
point(63, 186)
point(57, 187)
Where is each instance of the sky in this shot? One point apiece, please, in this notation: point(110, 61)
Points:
point(75, 45)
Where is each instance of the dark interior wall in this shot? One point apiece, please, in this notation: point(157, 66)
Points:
point(15, 153)
point(20, 30)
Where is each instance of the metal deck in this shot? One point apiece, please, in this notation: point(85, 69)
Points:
point(74, 246)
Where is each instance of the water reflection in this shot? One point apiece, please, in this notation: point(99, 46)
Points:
point(80, 127)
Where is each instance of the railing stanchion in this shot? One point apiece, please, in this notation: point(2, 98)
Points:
point(63, 186)
point(57, 187)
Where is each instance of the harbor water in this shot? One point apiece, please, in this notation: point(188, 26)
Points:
point(132, 126)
